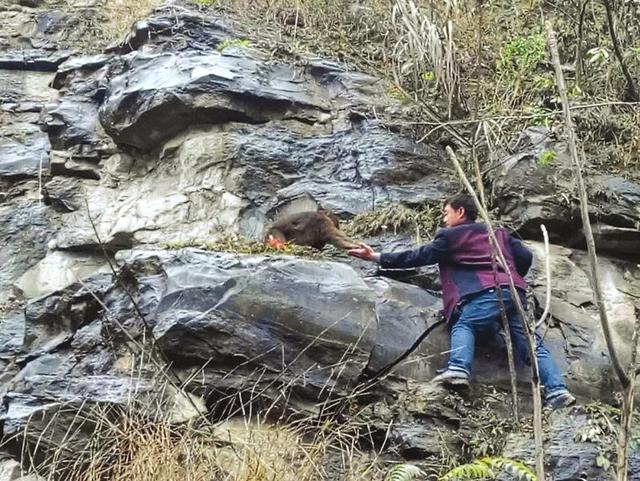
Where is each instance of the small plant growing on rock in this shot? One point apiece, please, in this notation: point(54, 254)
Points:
point(235, 42)
point(546, 158)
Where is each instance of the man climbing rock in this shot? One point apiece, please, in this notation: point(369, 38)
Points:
point(470, 292)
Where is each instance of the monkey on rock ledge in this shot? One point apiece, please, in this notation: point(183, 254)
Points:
point(311, 228)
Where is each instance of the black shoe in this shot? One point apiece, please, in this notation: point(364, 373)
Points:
point(560, 399)
point(452, 378)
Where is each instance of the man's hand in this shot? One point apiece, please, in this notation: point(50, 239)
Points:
point(364, 252)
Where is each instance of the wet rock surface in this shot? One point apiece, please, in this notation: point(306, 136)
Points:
point(243, 322)
point(536, 185)
point(182, 133)
point(566, 455)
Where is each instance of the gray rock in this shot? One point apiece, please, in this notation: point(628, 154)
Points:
point(417, 420)
point(64, 194)
point(24, 149)
point(26, 228)
point(12, 333)
point(71, 122)
point(53, 319)
point(62, 163)
point(22, 90)
point(529, 192)
point(245, 174)
point(576, 336)
point(245, 323)
point(31, 3)
point(567, 458)
point(260, 313)
point(78, 66)
point(60, 400)
point(33, 59)
point(10, 470)
point(153, 97)
point(59, 270)
point(172, 28)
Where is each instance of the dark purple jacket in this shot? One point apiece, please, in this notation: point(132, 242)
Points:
point(463, 254)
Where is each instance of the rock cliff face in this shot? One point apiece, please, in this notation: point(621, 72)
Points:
point(175, 136)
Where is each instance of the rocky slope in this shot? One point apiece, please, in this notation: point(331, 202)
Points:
point(181, 134)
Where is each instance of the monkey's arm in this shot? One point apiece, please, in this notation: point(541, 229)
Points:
point(341, 240)
point(431, 253)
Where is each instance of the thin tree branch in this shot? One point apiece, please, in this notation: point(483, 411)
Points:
point(579, 57)
point(584, 210)
point(547, 266)
point(631, 86)
point(147, 327)
point(494, 268)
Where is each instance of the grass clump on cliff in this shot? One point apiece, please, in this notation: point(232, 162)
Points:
point(242, 245)
point(396, 218)
point(430, 55)
point(140, 442)
point(143, 450)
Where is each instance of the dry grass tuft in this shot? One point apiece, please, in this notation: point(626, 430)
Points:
point(396, 218)
point(241, 245)
point(137, 447)
point(140, 450)
point(120, 15)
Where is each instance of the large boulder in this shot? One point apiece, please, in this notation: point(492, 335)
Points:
point(158, 91)
point(153, 97)
point(230, 325)
point(575, 333)
point(314, 325)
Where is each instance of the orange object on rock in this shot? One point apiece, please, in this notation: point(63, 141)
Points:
point(275, 242)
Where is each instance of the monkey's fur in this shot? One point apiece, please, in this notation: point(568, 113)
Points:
point(312, 228)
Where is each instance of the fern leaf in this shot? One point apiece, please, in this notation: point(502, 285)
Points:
point(517, 469)
point(485, 468)
point(475, 470)
point(403, 472)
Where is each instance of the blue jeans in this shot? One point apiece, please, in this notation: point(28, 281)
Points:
point(482, 313)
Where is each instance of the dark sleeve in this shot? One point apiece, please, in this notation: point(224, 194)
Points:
point(522, 256)
point(431, 253)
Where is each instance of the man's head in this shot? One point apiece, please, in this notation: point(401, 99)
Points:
point(459, 209)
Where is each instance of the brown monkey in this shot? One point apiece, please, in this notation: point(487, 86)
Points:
point(312, 228)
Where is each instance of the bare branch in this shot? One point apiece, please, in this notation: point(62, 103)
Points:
point(547, 266)
point(631, 86)
point(584, 210)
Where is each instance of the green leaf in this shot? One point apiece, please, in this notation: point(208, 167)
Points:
point(485, 468)
point(546, 158)
point(403, 472)
point(602, 462)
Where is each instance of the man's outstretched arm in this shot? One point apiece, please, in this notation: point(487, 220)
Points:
point(427, 254)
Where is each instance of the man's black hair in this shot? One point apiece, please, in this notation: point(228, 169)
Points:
point(463, 200)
